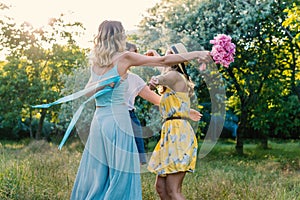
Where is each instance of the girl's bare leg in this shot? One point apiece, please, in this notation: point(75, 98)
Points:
point(160, 186)
point(174, 184)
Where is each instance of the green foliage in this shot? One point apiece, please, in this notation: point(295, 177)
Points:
point(261, 82)
point(292, 21)
point(266, 66)
point(35, 61)
point(286, 118)
point(74, 82)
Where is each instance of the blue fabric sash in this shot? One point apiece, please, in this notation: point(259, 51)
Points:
point(113, 79)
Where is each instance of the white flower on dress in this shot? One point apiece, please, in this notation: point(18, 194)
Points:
point(186, 159)
point(184, 107)
point(182, 137)
point(173, 138)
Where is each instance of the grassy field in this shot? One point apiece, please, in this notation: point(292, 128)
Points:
point(36, 170)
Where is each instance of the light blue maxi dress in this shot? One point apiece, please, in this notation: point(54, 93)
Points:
point(109, 167)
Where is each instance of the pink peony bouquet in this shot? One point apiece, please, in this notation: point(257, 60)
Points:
point(223, 50)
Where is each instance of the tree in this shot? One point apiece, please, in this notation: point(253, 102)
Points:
point(291, 26)
point(35, 61)
point(259, 54)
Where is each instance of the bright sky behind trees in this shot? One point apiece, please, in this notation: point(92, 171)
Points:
point(90, 12)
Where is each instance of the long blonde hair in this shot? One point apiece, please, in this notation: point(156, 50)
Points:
point(111, 39)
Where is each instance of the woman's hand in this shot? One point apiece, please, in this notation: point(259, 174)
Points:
point(202, 67)
point(152, 52)
point(195, 115)
point(153, 82)
point(204, 57)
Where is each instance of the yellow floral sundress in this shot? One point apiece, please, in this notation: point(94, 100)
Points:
point(176, 150)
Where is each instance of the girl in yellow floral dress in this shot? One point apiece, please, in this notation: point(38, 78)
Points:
point(176, 152)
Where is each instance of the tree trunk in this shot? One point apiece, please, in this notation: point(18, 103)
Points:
point(239, 147)
point(40, 126)
point(297, 91)
point(241, 131)
point(30, 123)
point(264, 142)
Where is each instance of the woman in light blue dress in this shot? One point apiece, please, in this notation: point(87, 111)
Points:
point(109, 168)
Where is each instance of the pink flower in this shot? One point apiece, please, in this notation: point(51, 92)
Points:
point(223, 50)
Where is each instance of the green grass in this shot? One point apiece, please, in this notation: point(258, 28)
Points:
point(36, 170)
